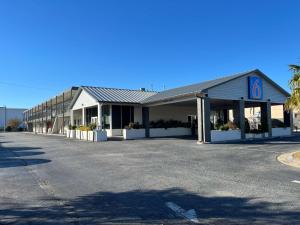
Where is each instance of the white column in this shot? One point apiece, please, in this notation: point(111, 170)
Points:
point(206, 119)
point(110, 117)
point(72, 117)
point(199, 119)
point(83, 117)
point(99, 118)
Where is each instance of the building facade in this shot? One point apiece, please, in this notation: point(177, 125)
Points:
point(238, 107)
point(51, 116)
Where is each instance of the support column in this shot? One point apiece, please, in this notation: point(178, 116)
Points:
point(288, 119)
point(35, 116)
point(83, 122)
point(241, 119)
point(51, 111)
point(266, 120)
point(55, 106)
point(63, 111)
point(110, 118)
point(71, 117)
point(99, 118)
point(269, 118)
point(145, 115)
point(42, 118)
point(206, 120)
point(46, 117)
point(200, 120)
point(225, 114)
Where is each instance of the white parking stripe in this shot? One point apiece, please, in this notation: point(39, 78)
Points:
point(296, 181)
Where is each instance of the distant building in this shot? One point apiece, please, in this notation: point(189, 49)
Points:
point(7, 114)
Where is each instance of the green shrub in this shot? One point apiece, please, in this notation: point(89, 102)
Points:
point(219, 124)
point(167, 124)
point(84, 128)
point(224, 127)
point(8, 129)
point(92, 126)
point(277, 123)
point(134, 126)
point(72, 127)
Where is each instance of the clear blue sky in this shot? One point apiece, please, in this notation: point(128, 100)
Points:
point(48, 46)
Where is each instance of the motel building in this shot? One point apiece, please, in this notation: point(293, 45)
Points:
point(243, 106)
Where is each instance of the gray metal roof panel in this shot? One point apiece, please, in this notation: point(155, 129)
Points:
point(102, 94)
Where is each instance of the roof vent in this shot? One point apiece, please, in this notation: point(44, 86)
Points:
point(142, 89)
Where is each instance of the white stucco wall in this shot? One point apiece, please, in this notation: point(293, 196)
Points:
point(238, 88)
point(84, 100)
point(171, 112)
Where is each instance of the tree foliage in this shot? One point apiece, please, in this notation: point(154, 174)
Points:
point(293, 102)
point(14, 123)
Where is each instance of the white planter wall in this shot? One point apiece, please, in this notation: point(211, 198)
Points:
point(256, 136)
point(133, 133)
point(219, 135)
point(90, 135)
point(169, 132)
point(114, 132)
point(71, 133)
point(97, 135)
point(84, 135)
point(77, 134)
point(277, 132)
point(100, 135)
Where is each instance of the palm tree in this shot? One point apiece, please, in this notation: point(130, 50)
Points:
point(293, 102)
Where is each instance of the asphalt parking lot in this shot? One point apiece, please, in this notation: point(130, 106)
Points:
point(52, 180)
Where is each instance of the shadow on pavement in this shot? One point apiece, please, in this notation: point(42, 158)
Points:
point(14, 156)
point(272, 141)
point(148, 207)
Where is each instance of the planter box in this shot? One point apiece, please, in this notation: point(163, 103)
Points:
point(90, 135)
point(169, 132)
point(100, 135)
point(84, 135)
point(281, 131)
point(68, 133)
point(114, 132)
point(133, 133)
point(72, 133)
point(97, 135)
point(256, 136)
point(220, 135)
point(78, 134)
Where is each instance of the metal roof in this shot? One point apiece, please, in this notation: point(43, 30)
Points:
point(203, 86)
point(116, 95)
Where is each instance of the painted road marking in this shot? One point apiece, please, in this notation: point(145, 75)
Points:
point(187, 214)
point(296, 181)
